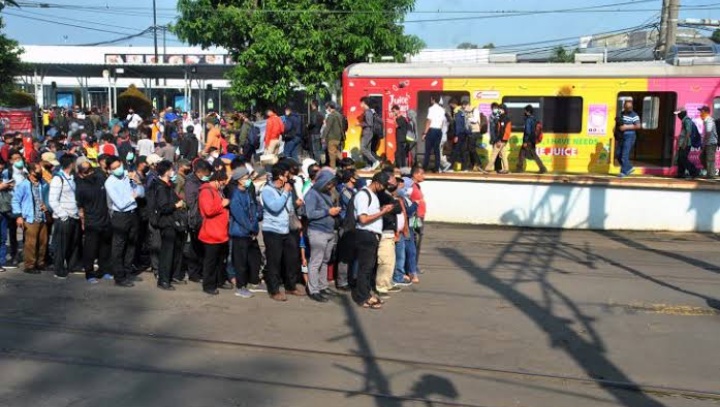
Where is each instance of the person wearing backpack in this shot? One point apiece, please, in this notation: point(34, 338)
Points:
point(503, 130)
point(463, 129)
point(66, 218)
point(292, 134)
point(688, 132)
point(368, 125)
point(528, 149)
point(478, 128)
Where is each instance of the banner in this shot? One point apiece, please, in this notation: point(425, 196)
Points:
point(12, 120)
point(185, 59)
point(597, 120)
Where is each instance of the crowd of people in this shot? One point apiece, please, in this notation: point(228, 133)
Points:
point(113, 199)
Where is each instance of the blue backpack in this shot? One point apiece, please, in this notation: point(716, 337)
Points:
point(695, 137)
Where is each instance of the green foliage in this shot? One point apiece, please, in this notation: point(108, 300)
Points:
point(134, 98)
point(467, 45)
point(715, 37)
point(489, 45)
point(10, 64)
point(283, 44)
point(18, 98)
point(561, 55)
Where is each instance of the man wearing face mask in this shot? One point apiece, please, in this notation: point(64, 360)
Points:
point(30, 205)
point(323, 217)
point(94, 221)
point(195, 253)
point(386, 249)
point(66, 225)
point(244, 229)
point(503, 131)
point(15, 174)
point(152, 238)
point(122, 191)
point(167, 207)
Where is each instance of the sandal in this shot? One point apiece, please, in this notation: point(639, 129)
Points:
point(371, 305)
point(376, 300)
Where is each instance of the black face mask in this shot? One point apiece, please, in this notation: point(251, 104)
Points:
point(391, 188)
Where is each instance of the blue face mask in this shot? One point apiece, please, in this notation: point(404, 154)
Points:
point(130, 156)
point(173, 178)
point(205, 178)
point(19, 164)
point(248, 183)
point(119, 172)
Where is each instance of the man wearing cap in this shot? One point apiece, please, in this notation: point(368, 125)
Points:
point(50, 157)
point(710, 142)
point(244, 229)
point(66, 226)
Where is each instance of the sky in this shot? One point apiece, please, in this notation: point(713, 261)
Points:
point(94, 21)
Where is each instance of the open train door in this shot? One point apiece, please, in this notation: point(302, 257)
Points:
point(654, 145)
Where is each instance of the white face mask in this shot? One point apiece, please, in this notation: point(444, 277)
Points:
point(215, 155)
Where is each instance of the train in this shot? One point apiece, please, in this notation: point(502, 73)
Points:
point(577, 104)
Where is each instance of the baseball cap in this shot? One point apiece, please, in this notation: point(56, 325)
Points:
point(153, 159)
point(238, 173)
point(50, 157)
point(704, 109)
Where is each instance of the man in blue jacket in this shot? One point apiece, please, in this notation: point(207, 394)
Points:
point(529, 145)
point(323, 215)
point(461, 154)
point(293, 133)
point(30, 204)
point(244, 229)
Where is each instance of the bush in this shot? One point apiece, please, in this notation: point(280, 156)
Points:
point(18, 98)
point(134, 98)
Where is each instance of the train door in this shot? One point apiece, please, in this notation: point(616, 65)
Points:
point(654, 145)
point(422, 111)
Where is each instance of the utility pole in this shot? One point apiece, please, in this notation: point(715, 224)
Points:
point(157, 80)
point(662, 36)
point(672, 25)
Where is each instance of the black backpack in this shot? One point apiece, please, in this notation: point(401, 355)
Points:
point(349, 224)
point(377, 126)
point(151, 207)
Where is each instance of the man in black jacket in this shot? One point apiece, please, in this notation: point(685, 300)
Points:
point(189, 144)
point(194, 258)
point(166, 205)
point(95, 222)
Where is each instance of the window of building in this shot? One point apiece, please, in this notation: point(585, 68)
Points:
point(558, 114)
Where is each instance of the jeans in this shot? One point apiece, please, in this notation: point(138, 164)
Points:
point(322, 245)
point(292, 148)
point(366, 148)
point(317, 148)
point(247, 260)
point(125, 232)
point(399, 260)
point(627, 145)
point(366, 244)
point(66, 235)
point(432, 146)
point(279, 267)
point(3, 238)
point(708, 159)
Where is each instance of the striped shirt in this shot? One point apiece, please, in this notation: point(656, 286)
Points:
point(630, 119)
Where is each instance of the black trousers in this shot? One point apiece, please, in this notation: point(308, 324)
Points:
point(153, 244)
point(214, 266)
point(293, 259)
point(684, 163)
point(530, 152)
point(246, 260)
point(279, 268)
point(194, 257)
point(98, 246)
point(171, 243)
point(366, 246)
point(461, 154)
point(142, 255)
point(472, 147)
point(401, 153)
point(125, 233)
point(12, 234)
point(66, 234)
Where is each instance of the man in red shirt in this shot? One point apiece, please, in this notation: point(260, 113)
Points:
point(273, 132)
point(417, 196)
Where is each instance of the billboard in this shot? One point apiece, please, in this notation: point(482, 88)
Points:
point(172, 59)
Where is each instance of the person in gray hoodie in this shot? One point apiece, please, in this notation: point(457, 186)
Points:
point(323, 216)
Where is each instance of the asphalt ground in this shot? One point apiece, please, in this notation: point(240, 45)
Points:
point(502, 317)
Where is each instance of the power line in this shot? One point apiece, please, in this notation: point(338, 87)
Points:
point(64, 24)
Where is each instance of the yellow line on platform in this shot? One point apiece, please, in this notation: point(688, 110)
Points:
point(666, 309)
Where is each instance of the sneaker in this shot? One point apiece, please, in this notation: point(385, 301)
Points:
point(257, 288)
point(243, 293)
point(631, 171)
point(2, 269)
point(107, 277)
point(621, 175)
point(394, 289)
point(375, 166)
point(60, 277)
point(446, 167)
point(12, 264)
point(93, 280)
point(403, 283)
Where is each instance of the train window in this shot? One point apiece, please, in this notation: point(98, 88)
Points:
point(561, 114)
point(650, 112)
point(716, 108)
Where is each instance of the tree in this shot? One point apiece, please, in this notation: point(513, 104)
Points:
point(561, 55)
point(285, 44)
point(489, 45)
point(467, 45)
point(715, 37)
point(10, 64)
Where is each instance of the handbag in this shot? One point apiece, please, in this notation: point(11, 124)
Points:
point(180, 221)
point(5, 201)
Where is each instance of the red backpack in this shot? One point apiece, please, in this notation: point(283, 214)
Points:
point(538, 132)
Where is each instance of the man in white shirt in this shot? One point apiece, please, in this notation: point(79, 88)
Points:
point(369, 227)
point(145, 146)
point(433, 132)
point(187, 121)
point(134, 120)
